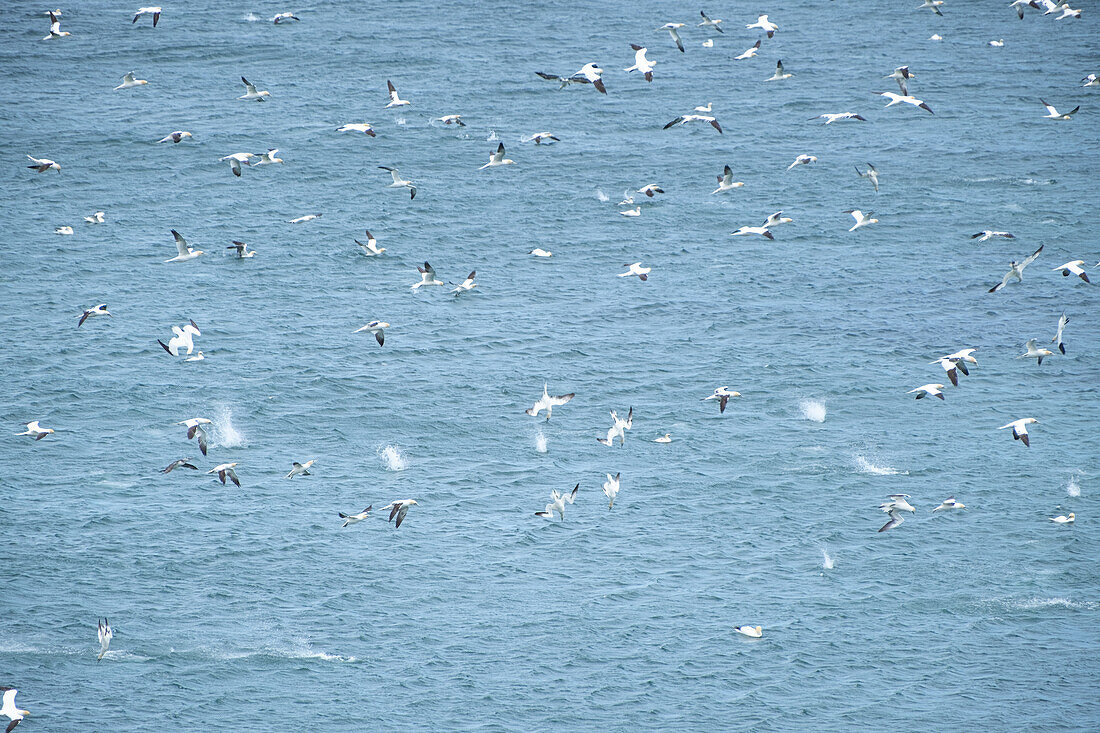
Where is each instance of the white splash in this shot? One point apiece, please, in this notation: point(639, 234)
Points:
point(865, 466)
point(1074, 488)
point(602, 196)
point(400, 121)
point(225, 434)
point(812, 410)
point(393, 458)
point(540, 442)
point(252, 17)
point(828, 563)
point(492, 136)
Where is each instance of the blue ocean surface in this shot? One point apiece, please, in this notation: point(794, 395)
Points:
point(252, 609)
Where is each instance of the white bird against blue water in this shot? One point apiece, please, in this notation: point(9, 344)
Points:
point(153, 11)
point(611, 489)
point(350, 519)
point(185, 252)
point(251, 94)
point(557, 503)
point(1019, 429)
point(36, 431)
point(1016, 270)
point(128, 82)
point(105, 633)
point(548, 403)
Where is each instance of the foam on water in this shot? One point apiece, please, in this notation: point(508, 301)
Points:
point(225, 433)
point(540, 442)
point(1073, 488)
point(492, 136)
point(827, 562)
point(393, 458)
point(812, 410)
point(863, 465)
point(602, 196)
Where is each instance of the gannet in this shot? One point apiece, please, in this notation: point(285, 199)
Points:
point(184, 337)
point(726, 182)
point(871, 174)
point(63, 230)
point(283, 17)
point(1062, 519)
point(896, 98)
point(226, 470)
point(194, 424)
point(97, 218)
point(636, 269)
point(451, 120)
point(1075, 267)
point(371, 248)
point(704, 108)
point(610, 489)
point(55, 28)
point(179, 463)
point(557, 503)
point(1092, 80)
point(105, 633)
point(762, 231)
point(9, 710)
point(185, 252)
point(197, 357)
point(1062, 321)
point(902, 76)
point(1016, 270)
point(926, 390)
point(831, 118)
point(666, 438)
point(176, 136)
point(709, 43)
point(427, 276)
point(749, 53)
point(754, 632)
point(242, 249)
point(722, 394)
point(466, 285)
point(99, 310)
point(1019, 6)
point(862, 219)
point(36, 431)
point(355, 518)
point(673, 29)
point(897, 502)
point(963, 357)
point(952, 367)
point(304, 219)
point(684, 119)
point(950, 503)
point(542, 137)
point(1048, 5)
point(765, 25)
point(548, 403)
point(153, 11)
point(711, 23)
point(588, 74)
point(43, 164)
point(933, 5)
point(250, 93)
point(618, 428)
point(987, 234)
point(1019, 429)
point(997, 44)
point(399, 182)
point(1053, 114)
point(779, 74)
point(776, 219)
point(935, 37)
point(301, 469)
point(539, 252)
point(628, 198)
point(895, 520)
point(1067, 12)
point(802, 159)
point(269, 157)
point(395, 101)
point(399, 509)
point(636, 211)
point(650, 189)
point(1035, 353)
point(641, 63)
point(129, 81)
point(363, 127)
point(236, 160)
point(497, 158)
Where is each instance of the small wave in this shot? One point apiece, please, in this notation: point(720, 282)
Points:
point(828, 562)
point(225, 434)
point(1032, 604)
point(540, 442)
point(1073, 488)
point(812, 410)
point(393, 458)
point(602, 196)
point(865, 466)
point(492, 136)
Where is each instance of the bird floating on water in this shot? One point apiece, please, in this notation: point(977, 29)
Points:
point(303, 219)
point(754, 632)
point(666, 438)
point(63, 230)
point(97, 218)
point(1064, 519)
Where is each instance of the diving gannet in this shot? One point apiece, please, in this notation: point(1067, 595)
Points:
point(548, 403)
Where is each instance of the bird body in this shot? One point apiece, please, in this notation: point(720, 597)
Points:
point(36, 431)
point(301, 469)
point(399, 509)
point(128, 82)
point(611, 489)
point(251, 94)
point(726, 182)
point(153, 11)
point(765, 25)
point(224, 471)
point(99, 310)
point(548, 403)
point(427, 276)
point(350, 519)
point(1019, 429)
point(105, 633)
point(636, 270)
point(722, 394)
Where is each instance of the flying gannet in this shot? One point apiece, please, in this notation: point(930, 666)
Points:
point(97, 218)
point(1075, 267)
point(862, 219)
point(618, 429)
point(610, 489)
point(371, 248)
point(684, 119)
point(251, 94)
point(399, 509)
point(950, 503)
point(1092, 80)
point(363, 127)
point(99, 310)
point(896, 98)
point(870, 174)
point(902, 76)
point(650, 190)
point(225, 470)
point(589, 74)
point(1016, 270)
point(175, 137)
point(933, 5)
point(350, 519)
point(185, 251)
point(55, 28)
point(762, 231)
point(726, 182)
point(831, 118)
point(129, 81)
point(779, 74)
point(987, 234)
point(105, 633)
point(284, 17)
point(243, 252)
point(776, 219)
point(711, 23)
point(269, 158)
point(641, 63)
point(1034, 352)
point(43, 164)
point(427, 276)
point(10, 711)
point(748, 54)
point(802, 159)
point(1019, 429)
point(765, 25)
point(548, 403)
point(673, 30)
point(304, 219)
point(153, 11)
point(395, 101)
point(184, 337)
point(722, 394)
point(399, 182)
point(497, 158)
point(236, 160)
point(952, 367)
point(301, 469)
point(179, 463)
point(636, 270)
point(557, 503)
point(540, 138)
point(377, 328)
point(1053, 114)
point(36, 431)
point(466, 285)
point(926, 390)
point(1062, 321)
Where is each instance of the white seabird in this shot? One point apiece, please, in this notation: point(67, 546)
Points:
point(539, 252)
point(269, 157)
point(748, 54)
point(55, 28)
point(897, 502)
point(99, 310)
point(610, 489)
point(673, 30)
point(36, 431)
point(666, 438)
point(195, 429)
point(902, 76)
point(1034, 352)
point(63, 230)
point(711, 23)
point(97, 218)
point(952, 367)
point(762, 231)
point(176, 136)
point(997, 44)
point(1062, 321)
point(363, 127)
point(557, 503)
point(636, 269)
point(399, 509)
point(776, 219)
point(831, 118)
point(862, 219)
point(350, 519)
point(684, 119)
point(179, 463)
point(304, 219)
point(726, 182)
point(497, 158)
point(950, 503)
point(451, 120)
point(1074, 267)
point(802, 159)
point(708, 107)
point(1092, 80)
point(1053, 114)
point(129, 81)
point(185, 252)
point(243, 251)
point(933, 5)
point(427, 276)
point(10, 711)
point(1064, 519)
point(650, 190)
point(197, 357)
point(548, 403)
point(1016, 270)
point(301, 469)
point(641, 63)
point(399, 182)
point(153, 11)
point(636, 211)
point(590, 73)
point(236, 160)
point(225, 470)
point(1019, 429)
point(43, 164)
point(540, 138)
point(896, 98)
point(395, 101)
point(870, 174)
point(987, 234)
point(926, 390)
point(184, 337)
point(371, 248)
point(105, 633)
point(779, 74)
point(722, 394)
point(765, 25)
point(251, 94)
point(754, 632)
point(618, 429)
point(284, 17)
point(466, 285)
